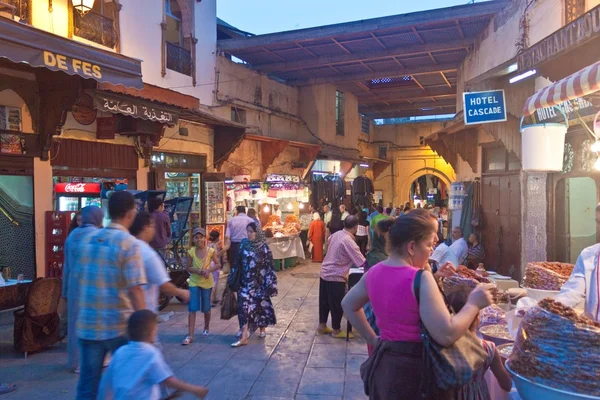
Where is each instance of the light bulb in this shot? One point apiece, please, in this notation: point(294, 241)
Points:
point(289, 206)
point(301, 206)
point(596, 147)
point(260, 202)
point(597, 164)
point(266, 209)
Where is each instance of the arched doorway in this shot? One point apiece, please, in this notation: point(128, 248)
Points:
point(419, 183)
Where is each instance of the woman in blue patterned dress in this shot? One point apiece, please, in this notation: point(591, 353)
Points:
point(258, 284)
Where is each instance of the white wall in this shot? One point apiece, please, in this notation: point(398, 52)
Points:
point(141, 35)
point(42, 191)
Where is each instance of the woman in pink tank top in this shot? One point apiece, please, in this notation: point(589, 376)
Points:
point(393, 371)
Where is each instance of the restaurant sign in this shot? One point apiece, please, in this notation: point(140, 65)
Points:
point(578, 107)
point(575, 33)
point(484, 107)
point(135, 108)
point(279, 178)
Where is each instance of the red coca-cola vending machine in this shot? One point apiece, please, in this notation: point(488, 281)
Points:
point(75, 196)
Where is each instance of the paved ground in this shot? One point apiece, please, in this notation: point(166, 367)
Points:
point(290, 363)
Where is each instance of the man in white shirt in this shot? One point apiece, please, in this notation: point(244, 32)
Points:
point(277, 211)
point(444, 254)
point(326, 214)
point(459, 245)
point(583, 287)
point(344, 212)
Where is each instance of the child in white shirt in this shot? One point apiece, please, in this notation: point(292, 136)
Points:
point(138, 368)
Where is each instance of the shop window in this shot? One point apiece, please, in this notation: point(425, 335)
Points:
point(96, 26)
point(176, 161)
point(498, 159)
point(238, 115)
point(339, 113)
point(365, 124)
point(17, 10)
point(179, 58)
point(573, 10)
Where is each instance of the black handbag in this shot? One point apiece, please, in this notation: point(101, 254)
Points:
point(235, 277)
point(448, 368)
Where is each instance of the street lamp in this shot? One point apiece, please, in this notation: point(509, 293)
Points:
point(83, 6)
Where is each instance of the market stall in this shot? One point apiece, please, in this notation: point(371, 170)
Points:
point(283, 238)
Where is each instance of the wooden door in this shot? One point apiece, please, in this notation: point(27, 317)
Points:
point(501, 232)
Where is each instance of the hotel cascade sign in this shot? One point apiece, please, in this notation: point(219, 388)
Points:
point(575, 33)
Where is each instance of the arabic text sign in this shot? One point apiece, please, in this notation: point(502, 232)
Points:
point(484, 107)
point(135, 108)
point(72, 65)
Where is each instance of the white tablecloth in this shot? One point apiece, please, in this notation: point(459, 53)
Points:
point(287, 249)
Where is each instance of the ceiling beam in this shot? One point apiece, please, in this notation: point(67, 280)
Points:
point(446, 79)
point(463, 12)
point(403, 107)
point(411, 113)
point(399, 97)
point(364, 55)
point(395, 88)
point(364, 76)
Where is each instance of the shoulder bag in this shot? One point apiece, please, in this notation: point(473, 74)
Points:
point(447, 368)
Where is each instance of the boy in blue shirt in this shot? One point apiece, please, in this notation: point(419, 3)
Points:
point(137, 369)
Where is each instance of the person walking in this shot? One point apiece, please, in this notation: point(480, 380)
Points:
point(110, 290)
point(362, 232)
point(316, 236)
point(144, 229)
point(258, 283)
point(162, 224)
point(336, 223)
point(343, 253)
point(198, 264)
point(138, 369)
point(236, 232)
point(217, 246)
point(390, 287)
point(91, 219)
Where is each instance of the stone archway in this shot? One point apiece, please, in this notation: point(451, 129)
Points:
point(406, 184)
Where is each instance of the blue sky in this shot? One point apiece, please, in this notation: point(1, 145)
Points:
point(266, 16)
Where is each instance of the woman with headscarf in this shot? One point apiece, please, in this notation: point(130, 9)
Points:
point(316, 236)
point(258, 283)
point(91, 219)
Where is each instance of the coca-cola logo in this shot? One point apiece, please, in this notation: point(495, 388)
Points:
point(75, 187)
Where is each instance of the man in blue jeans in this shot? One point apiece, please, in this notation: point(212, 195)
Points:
point(112, 275)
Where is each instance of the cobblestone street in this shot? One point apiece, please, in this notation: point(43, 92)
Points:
point(290, 363)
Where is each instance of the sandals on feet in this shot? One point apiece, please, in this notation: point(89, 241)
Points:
point(205, 333)
point(187, 340)
point(326, 331)
point(239, 343)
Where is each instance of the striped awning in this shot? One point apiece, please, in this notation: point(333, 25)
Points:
point(579, 84)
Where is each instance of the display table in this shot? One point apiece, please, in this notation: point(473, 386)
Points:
point(13, 294)
point(285, 248)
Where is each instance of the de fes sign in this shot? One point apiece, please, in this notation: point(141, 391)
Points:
point(484, 107)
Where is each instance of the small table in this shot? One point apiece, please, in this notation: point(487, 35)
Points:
point(13, 294)
point(353, 278)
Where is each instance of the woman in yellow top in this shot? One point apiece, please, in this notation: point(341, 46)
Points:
point(201, 281)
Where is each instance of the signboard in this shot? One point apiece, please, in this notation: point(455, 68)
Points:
point(83, 110)
point(282, 178)
point(106, 127)
point(572, 35)
point(484, 107)
point(135, 108)
point(78, 188)
point(581, 105)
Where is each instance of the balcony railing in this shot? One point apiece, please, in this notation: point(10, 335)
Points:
point(17, 9)
point(179, 59)
point(96, 28)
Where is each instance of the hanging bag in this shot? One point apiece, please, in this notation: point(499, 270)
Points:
point(447, 368)
point(228, 304)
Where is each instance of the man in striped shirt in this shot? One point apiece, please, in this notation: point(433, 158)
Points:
point(343, 253)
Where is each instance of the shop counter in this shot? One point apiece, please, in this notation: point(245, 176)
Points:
point(286, 250)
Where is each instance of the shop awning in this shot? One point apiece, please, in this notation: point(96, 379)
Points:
point(134, 107)
point(579, 84)
point(22, 43)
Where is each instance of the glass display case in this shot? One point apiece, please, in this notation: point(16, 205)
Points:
point(215, 202)
point(180, 184)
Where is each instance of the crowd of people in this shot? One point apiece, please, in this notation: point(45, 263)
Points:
point(112, 280)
